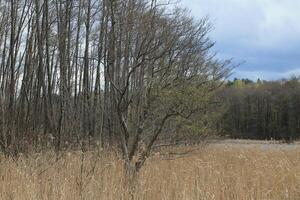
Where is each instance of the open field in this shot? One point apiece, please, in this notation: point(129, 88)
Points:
point(223, 170)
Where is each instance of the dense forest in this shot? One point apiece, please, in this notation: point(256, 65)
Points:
point(107, 72)
point(262, 109)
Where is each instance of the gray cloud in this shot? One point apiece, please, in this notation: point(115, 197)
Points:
point(263, 33)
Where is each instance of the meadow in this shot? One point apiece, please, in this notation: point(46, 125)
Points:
point(223, 171)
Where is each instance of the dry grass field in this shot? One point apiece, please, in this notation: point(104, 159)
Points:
point(217, 171)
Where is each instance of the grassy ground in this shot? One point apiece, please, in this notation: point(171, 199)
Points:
point(218, 171)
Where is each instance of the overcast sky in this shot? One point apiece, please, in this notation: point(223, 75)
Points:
point(263, 33)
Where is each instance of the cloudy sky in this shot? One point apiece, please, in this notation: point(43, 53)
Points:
point(265, 34)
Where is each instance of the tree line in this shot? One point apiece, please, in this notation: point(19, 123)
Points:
point(112, 72)
point(262, 110)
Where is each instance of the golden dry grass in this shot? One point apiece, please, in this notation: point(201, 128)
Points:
point(215, 172)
